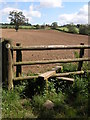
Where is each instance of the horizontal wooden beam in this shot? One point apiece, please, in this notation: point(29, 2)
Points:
point(25, 78)
point(51, 61)
point(50, 47)
point(56, 75)
point(65, 79)
point(68, 73)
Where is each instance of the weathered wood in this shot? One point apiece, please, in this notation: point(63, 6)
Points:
point(51, 61)
point(46, 75)
point(25, 78)
point(68, 73)
point(4, 62)
point(18, 59)
point(65, 78)
point(56, 75)
point(81, 55)
point(9, 65)
point(50, 47)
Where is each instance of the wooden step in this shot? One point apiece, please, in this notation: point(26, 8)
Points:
point(48, 74)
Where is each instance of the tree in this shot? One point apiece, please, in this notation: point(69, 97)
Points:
point(73, 29)
point(54, 25)
point(38, 26)
point(17, 18)
point(84, 29)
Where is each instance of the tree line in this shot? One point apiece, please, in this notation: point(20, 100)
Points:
point(18, 19)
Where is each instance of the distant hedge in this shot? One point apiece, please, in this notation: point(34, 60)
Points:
point(84, 29)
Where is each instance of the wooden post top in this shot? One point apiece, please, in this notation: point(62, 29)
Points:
point(18, 44)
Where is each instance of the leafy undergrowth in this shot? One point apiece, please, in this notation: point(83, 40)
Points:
point(27, 98)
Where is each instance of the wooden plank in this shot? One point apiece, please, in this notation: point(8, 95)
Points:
point(50, 47)
point(65, 78)
point(46, 75)
point(51, 61)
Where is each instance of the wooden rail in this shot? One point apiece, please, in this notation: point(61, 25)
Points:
point(56, 75)
point(51, 61)
point(8, 60)
point(50, 47)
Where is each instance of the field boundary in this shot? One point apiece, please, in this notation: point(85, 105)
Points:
point(8, 63)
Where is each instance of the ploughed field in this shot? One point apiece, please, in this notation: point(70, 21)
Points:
point(44, 37)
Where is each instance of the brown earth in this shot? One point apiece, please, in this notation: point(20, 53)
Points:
point(44, 37)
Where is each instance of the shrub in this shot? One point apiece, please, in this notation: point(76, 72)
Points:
point(54, 25)
point(84, 29)
point(73, 29)
point(38, 26)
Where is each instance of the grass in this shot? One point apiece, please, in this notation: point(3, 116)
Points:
point(15, 107)
point(70, 100)
point(65, 29)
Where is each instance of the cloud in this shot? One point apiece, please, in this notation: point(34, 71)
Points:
point(25, 0)
point(6, 11)
point(46, 3)
point(80, 17)
point(28, 13)
point(51, 3)
point(33, 12)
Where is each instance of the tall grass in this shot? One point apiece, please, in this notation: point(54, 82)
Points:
point(70, 100)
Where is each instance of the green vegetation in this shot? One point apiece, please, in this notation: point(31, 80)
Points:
point(28, 97)
point(64, 29)
point(54, 25)
point(17, 19)
point(69, 28)
point(84, 29)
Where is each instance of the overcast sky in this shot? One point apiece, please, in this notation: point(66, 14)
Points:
point(47, 11)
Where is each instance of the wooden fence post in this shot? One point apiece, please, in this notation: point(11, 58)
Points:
point(81, 55)
point(18, 59)
point(4, 62)
point(9, 65)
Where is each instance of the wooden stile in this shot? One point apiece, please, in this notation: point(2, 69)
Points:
point(54, 73)
point(45, 76)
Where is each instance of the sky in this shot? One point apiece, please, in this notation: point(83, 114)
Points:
point(47, 11)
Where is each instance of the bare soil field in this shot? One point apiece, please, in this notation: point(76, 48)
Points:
point(44, 37)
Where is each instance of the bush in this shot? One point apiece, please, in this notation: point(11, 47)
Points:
point(84, 29)
point(54, 25)
point(38, 26)
point(73, 29)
